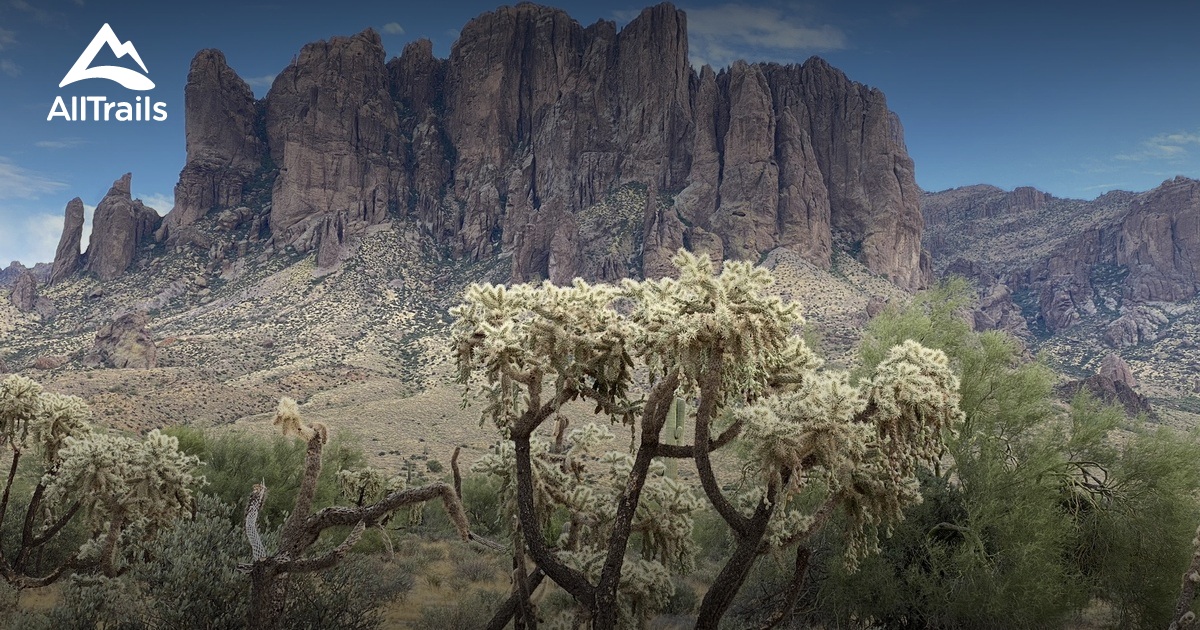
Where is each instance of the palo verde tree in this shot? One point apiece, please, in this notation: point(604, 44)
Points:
point(1042, 509)
point(109, 487)
point(376, 499)
point(733, 351)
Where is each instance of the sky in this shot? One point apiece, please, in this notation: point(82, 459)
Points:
point(1074, 98)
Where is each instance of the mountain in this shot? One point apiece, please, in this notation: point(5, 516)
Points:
point(320, 234)
point(579, 151)
point(1119, 274)
point(9, 274)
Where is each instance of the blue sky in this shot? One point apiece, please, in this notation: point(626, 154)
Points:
point(1075, 98)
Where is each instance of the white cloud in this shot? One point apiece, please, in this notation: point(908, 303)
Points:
point(7, 66)
point(393, 28)
point(30, 236)
point(88, 213)
point(721, 34)
point(1164, 146)
point(41, 234)
point(17, 182)
point(264, 82)
point(7, 38)
point(160, 202)
point(61, 143)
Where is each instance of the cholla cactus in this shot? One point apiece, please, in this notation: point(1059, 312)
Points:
point(725, 344)
point(117, 485)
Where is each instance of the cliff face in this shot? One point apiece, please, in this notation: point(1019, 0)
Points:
point(333, 130)
point(68, 257)
point(223, 148)
point(536, 134)
point(120, 225)
point(1075, 259)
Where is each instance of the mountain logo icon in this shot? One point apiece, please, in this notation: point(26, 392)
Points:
point(128, 78)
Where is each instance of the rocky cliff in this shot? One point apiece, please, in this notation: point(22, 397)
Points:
point(14, 270)
point(119, 226)
point(541, 137)
point(1074, 259)
point(68, 258)
point(224, 150)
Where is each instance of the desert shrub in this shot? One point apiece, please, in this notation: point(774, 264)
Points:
point(190, 581)
point(474, 564)
point(231, 462)
point(481, 495)
point(1035, 514)
point(471, 612)
point(348, 596)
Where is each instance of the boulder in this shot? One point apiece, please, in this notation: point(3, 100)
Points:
point(126, 343)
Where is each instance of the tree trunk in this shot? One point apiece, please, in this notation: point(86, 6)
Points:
point(728, 582)
point(268, 595)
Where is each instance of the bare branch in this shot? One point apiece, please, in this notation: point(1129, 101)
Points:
point(329, 559)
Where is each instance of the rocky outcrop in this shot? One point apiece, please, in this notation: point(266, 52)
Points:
point(1114, 368)
point(1114, 384)
point(334, 131)
point(24, 293)
point(1115, 256)
point(1159, 242)
point(68, 258)
point(224, 150)
point(14, 270)
point(535, 120)
point(120, 225)
point(49, 362)
point(331, 241)
point(1140, 324)
point(125, 343)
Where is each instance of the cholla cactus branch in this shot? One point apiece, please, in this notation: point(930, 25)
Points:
point(258, 497)
point(688, 451)
point(328, 560)
point(509, 608)
point(293, 528)
point(108, 485)
point(710, 384)
point(268, 572)
point(1183, 616)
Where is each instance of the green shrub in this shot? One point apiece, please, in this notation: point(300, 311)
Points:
point(471, 612)
point(1034, 515)
point(233, 462)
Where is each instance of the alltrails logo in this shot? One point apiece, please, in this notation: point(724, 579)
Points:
point(143, 107)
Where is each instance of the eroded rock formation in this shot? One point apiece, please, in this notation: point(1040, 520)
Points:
point(533, 121)
point(224, 150)
point(68, 258)
point(24, 293)
point(121, 223)
point(1113, 256)
point(125, 343)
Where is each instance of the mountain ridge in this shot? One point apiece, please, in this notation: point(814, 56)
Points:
point(504, 146)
